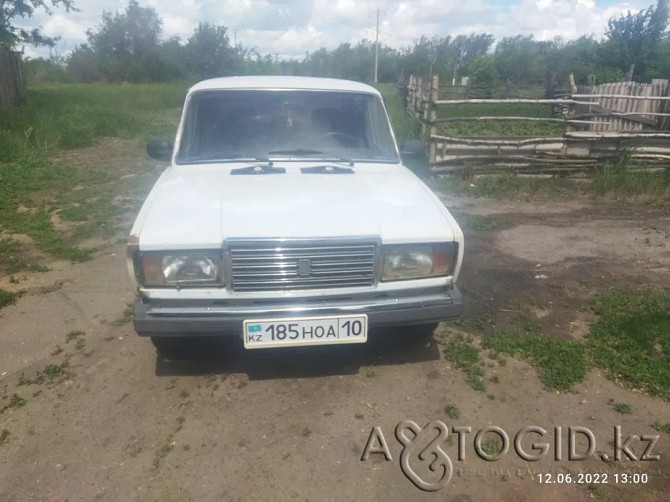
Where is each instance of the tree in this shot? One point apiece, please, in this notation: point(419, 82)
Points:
point(210, 54)
point(520, 60)
point(483, 74)
point(636, 39)
point(123, 42)
point(11, 35)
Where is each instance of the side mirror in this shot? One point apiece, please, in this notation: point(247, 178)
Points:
point(159, 149)
point(413, 149)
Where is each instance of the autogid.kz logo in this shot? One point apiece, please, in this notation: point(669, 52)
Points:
point(425, 462)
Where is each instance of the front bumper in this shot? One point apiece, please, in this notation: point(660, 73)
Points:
point(178, 318)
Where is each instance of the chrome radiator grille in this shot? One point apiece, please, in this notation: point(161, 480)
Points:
point(295, 266)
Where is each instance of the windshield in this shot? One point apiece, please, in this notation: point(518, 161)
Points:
point(259, 124)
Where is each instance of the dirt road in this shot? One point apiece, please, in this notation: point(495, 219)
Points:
point(100, 417)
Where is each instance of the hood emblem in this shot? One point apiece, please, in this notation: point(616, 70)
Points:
point(304, 267)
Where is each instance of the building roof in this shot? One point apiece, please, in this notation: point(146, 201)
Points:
point(283, 82)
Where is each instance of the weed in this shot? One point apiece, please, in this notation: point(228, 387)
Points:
point(184, 394)
point(242, 384)
point(561, 363)
point(630, 339)
point(494, 379)
point(4, 436)
point(57, 350)
point(15, 401)
point(163, 451)
point(370, 373)
point(661, 427)
point(186, 447)
point(306, 431)
point(50, 373)
point(8, 297)
point(452, 411)
point(77, 336)
point(623, 408)
point(466, 358)
point(126, 317)
point(490, 446)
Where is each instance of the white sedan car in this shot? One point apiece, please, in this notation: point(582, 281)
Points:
point(286, 217)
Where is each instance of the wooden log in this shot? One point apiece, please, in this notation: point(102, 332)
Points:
point(511, 119)
point(621, 96)
point(512, 101)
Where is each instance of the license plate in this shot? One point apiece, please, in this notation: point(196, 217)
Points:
point(296, 331)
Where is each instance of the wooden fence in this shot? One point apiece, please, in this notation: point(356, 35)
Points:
point(12, 82)
point(597, 124)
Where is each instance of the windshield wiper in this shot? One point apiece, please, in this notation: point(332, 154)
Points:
point(326, 170)
point(258, 169)
point(308, 152)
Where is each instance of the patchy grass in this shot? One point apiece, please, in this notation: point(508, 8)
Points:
point(15, 401)
point(452, 411)
point(561, 363)
point(126, 316)
point(8, 297)
point(36, 194)
point(623, 408)
point(466, 358)
point(78, 338)
point(492, 445)
point(614, 180)
point(50, 373)
point(12, 259)
point(630, 339)
point(661, 427)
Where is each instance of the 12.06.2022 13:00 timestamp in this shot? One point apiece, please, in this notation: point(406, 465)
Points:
point(588, 478)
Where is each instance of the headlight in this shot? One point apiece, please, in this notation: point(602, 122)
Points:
point(181, 269)
point(417, 261)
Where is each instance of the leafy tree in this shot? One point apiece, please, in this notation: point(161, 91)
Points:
point(520, 60)
point(210, 54)
point(11, 35)
point(636, 39)
point(483, 74)
point(123, 40)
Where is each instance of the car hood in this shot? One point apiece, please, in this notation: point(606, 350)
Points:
point(200, 206)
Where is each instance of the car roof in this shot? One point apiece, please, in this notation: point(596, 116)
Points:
point(283, 82)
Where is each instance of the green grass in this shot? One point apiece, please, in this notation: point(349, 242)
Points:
point(452, 411)
point(466, 358)
point(11, 259)
point(561, 363)
point(50, 373)
point(661, 427)
point(8, 297)
point(73, 115)
point(629, 340)
point(491, 128)
point(36, 196)
point(492, 445)
point(404, 126)
point(623, 408)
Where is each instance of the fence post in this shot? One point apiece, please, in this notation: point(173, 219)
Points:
point(434, 90)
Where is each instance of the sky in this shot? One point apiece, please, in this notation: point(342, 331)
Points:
point(290, 28)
